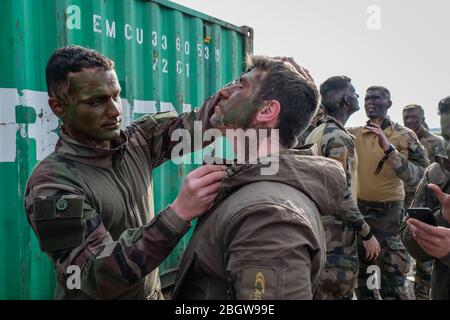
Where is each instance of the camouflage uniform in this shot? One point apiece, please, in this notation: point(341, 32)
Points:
point(317, 120)
point(93, 208)
point(380, 199)
point(434, 145)
point(439, 174)
point(340, 276)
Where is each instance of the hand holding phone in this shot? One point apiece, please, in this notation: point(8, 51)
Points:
point(422, 214)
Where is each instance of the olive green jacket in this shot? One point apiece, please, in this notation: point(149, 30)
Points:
point(263, 238)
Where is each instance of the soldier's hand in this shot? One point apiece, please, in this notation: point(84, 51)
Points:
point(372, 247)
point(199, 189)
point(303, 71)
point(382, 139)
point(433, 240)
point(443, 198)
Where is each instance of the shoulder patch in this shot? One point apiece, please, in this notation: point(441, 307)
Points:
point(258, 283)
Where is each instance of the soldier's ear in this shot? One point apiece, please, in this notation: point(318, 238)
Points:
point(389, 103)
point(56, 106)
point(270, 113)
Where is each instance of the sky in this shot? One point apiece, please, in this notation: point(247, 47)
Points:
point(402, 45)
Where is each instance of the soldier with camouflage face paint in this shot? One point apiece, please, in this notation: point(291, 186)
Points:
point(90, 202)
point(429, 243)
point(390, 156)
point(414, 119)
point(339, 279)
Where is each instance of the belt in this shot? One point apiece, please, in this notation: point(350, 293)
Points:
point(381, 205)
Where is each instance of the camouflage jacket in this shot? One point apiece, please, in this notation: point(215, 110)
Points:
point(93, 208)
point(434, 145)
point(263, 237)
point(336, 143)
point(439, 174)
point(404, 166)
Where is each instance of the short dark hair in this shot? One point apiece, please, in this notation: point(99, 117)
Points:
point(71, 59)
point(444, 105)
point(414, 107)
point(383, 90)
point(329, 90)
point(298, 97)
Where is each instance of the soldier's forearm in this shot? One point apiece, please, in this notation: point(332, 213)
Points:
point(352, 217)
point(408, 172)
point(112, 268)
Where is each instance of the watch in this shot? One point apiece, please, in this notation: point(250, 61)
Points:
point(390, 150)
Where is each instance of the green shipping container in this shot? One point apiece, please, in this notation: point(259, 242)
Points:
point(167, 57)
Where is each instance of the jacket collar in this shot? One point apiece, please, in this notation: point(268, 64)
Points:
point(338, 124)
point(387, 126)
point(422, 133)
point(72, 149)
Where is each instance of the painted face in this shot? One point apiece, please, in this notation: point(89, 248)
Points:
point(94, 114)
point(445, 129)
point(412, 119)
point(236, 108)
point(376, 104)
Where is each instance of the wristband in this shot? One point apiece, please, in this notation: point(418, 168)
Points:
point(387, 154)
point(368, 236)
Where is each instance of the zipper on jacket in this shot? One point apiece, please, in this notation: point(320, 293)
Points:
point(125, 187)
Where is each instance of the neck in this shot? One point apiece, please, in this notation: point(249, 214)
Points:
point(341, 116)
point(378, 121)
point(257, 147)
point(419, 131)
point(85, 140)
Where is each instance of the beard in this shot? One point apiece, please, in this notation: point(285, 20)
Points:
point(216, 120)
point(236, 118)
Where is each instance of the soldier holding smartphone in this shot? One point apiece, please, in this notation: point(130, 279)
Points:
point(426, 242)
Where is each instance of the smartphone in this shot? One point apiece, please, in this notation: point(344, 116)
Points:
point(423, 214)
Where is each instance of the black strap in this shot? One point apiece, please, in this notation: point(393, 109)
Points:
point(388, 153)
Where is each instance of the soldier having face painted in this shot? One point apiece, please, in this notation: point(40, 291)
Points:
point(263, 237)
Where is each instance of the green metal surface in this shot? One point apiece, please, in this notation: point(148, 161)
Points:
point(167, 57)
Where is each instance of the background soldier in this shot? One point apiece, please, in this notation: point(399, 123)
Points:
point(429, 243)
point(339, 279)
point(414, 119)
point(389, 156)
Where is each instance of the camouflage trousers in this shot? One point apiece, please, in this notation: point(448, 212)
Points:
point(337, 284)
point(340, 276)
point(422, 275)
point(393, 262)
point(422, 280)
